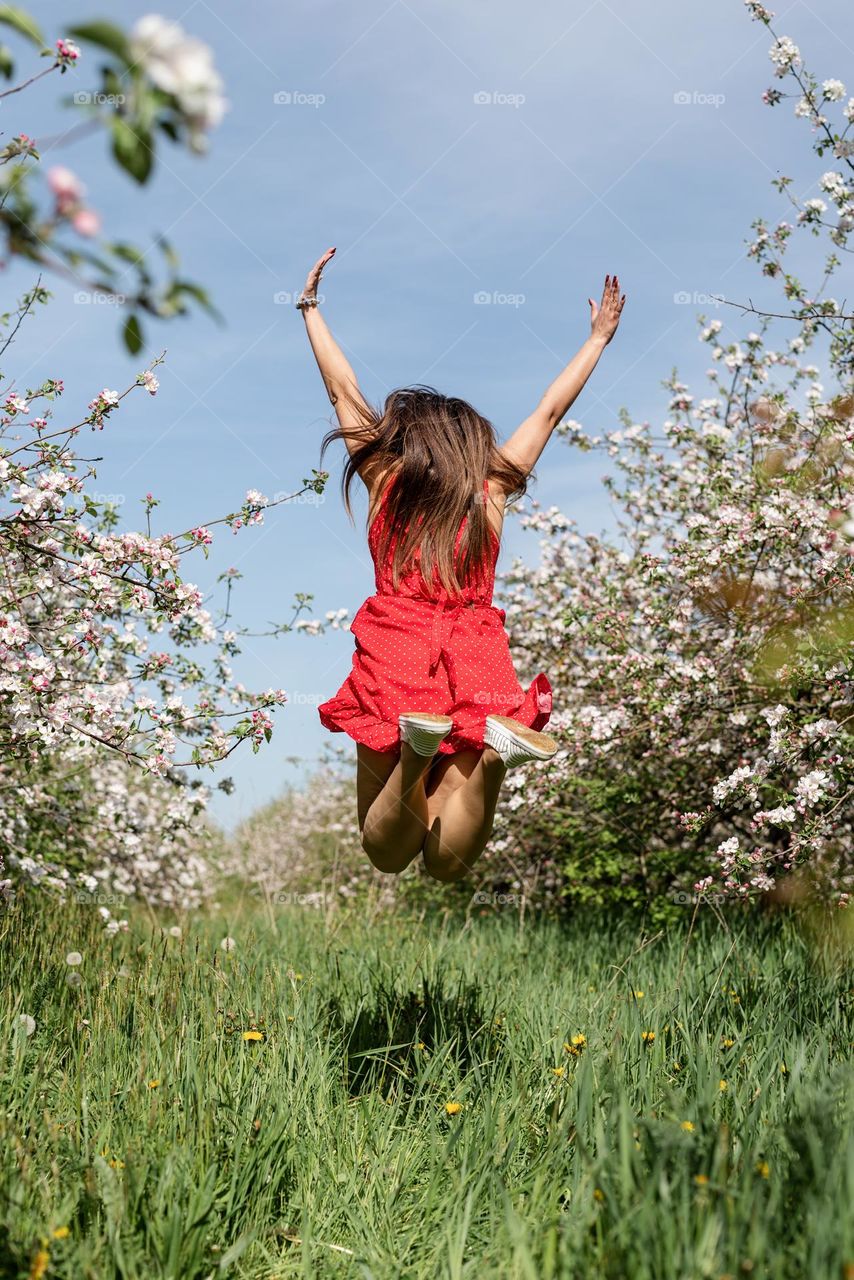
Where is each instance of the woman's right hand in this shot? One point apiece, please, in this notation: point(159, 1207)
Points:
point(313, 278)
point(605, 317)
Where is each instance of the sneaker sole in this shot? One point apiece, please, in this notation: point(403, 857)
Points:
point(540, 745)
point(426, 720)
point(424, 731)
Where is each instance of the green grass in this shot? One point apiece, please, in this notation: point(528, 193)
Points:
point(326, 1148)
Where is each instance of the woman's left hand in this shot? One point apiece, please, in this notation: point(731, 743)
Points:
point(605, 317)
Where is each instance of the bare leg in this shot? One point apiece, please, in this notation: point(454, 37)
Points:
point(392, 806)
point(461, 807)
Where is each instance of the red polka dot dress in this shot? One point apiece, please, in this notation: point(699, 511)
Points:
point(419, 649)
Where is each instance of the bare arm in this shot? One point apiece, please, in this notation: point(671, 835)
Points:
point(338, 376)
point(531, 437)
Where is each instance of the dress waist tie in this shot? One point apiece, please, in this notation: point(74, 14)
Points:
point(445, 615)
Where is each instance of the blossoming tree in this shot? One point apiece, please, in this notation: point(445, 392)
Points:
point(703, 655)
point(116, 685)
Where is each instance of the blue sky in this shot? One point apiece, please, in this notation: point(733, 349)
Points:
point(448, 150)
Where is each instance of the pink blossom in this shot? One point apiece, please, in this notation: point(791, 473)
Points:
point(65, 185)
point(67, 52)
point(86, 222)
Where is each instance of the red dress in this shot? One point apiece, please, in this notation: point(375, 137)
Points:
point(419, 649)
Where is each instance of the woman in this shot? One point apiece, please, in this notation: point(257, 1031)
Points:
point(432, 699)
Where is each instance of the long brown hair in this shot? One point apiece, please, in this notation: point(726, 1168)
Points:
point(436, 452)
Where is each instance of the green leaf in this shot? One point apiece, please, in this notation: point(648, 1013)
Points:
point(129, 252)
point(21, 22)
point(107, 36)
point(132, 334)
point(168, 252)
point(132, 148)
point(200, 295)
point(7, 65)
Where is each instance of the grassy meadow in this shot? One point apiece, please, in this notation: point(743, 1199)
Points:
point(423, 1097)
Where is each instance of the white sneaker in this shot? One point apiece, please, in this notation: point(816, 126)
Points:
point(515, 742)
point(423, 731)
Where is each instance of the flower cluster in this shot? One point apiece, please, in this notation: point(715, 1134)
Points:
point(182, 67)
point(67, 53)
point(68, 192)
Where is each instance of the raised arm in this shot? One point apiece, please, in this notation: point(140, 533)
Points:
point(338, 377)
point(528, 440)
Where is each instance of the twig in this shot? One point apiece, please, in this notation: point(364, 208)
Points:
point(786, 315)
point(26, 84)
point(22, 314)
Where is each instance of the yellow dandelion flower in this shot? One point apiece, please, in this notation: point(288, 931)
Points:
point(154, 1084)
point(558, 1071)
point(723, 1086)
point(421, 1045)
point(290, 1017)
point(701, 1180)
point(726, 1043)
point(648, 1037)
point(453, 1108)
point(39, 1266)
point(677, 1066)
point(579, 1041)
point(61, 1233)
point(784, 1068)
point(598, 1195)
point(116, 1164)
point(763, 1168)
point(638, 995)
point(253, 1035)
point(687, 1125)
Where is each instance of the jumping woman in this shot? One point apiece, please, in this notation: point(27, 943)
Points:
point(432, 699)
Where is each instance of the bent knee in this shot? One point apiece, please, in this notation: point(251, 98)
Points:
point(448, 871)
point(389, 863)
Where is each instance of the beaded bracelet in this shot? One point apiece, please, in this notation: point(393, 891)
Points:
point(302, 303)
